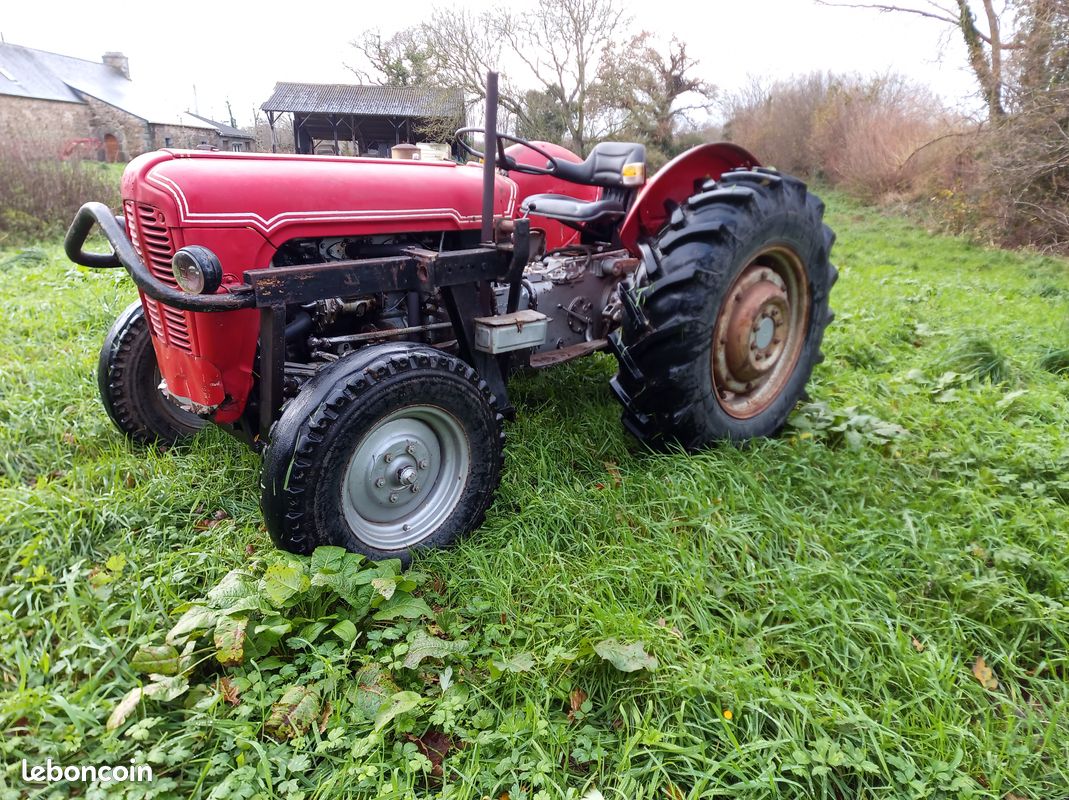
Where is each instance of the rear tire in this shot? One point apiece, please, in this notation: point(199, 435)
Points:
point(391, 449)
point(128, 378)
point(721, 343)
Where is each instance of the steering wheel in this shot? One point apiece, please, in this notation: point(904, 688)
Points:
point(505, 161)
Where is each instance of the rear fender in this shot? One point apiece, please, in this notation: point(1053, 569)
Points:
point(674, 183)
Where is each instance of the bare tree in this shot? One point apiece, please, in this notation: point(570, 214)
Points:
point(561, 42)
point(986, 48)
point(650, 91)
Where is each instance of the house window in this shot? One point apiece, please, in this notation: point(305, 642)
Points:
point(167, 141)
point(237, 147)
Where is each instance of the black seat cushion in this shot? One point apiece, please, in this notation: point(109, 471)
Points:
point(604, 166)
point(568, 209)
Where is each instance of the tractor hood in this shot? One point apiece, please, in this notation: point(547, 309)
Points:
point(286, 196)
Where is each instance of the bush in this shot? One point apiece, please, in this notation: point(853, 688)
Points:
point(39, 194)
point(866, 135)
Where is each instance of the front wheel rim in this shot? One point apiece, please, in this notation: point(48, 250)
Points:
point(406, 476)
point(760, 331)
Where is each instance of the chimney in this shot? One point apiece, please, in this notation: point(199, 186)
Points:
point(119, 62)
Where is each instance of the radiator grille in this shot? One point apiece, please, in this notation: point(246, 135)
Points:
point(152, 241)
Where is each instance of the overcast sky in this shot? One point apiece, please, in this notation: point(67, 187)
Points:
point(237, 51)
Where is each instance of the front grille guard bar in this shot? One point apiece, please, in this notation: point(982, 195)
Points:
point(124, 255)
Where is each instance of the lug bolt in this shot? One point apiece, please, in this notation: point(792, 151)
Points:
point(415, 488)
point(388, 458)
point(380, 482)
point(406, 527)
point(393, 497)
point(422, 463)
point(410, 450)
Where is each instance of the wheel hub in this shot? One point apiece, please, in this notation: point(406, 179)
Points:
point(758, 332)
point(405, 476)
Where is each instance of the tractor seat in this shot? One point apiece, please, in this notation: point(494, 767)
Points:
point(568, 209)
point(605, 166)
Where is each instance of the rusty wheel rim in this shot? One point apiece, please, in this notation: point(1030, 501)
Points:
point(759, 332)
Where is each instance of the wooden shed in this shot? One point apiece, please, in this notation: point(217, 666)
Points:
point(372, 119)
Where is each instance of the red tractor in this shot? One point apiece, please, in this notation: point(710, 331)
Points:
point(357, 319)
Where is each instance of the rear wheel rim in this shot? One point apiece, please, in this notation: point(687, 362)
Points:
point(760, 332)
point(406, 476)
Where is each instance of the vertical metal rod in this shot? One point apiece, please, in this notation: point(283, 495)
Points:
point(272, 365)
point(490, 159)
point(413, 313)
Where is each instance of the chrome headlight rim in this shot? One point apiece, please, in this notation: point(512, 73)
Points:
point(197, 270)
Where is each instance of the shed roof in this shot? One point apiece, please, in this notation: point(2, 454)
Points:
point(381, 101)
point(39, 74)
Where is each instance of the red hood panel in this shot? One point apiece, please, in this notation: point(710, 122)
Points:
point(272, 193)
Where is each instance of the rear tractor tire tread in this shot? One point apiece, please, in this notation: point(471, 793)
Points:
point(664, 381)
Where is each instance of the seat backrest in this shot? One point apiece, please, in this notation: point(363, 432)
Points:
point(604, 166)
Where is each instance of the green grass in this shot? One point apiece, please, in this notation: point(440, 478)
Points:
point(831, 589)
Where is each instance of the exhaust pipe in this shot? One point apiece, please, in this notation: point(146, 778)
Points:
point(490, 157)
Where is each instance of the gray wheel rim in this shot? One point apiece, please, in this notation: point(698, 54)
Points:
point(405, 477)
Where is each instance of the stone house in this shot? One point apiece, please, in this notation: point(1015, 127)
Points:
point(93, 109)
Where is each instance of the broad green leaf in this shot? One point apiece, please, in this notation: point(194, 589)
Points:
point(405, 606)
point(373, 686)
point(398, 704)
point(116, 563)
point(385, 586)
point(283, 582)
point(328, 560)
point(293, 714)
point(350, 584)
point(235, 592)
point(164, 687)
point(270, 631)
point(346, 631)
point(625, 657)
point(426, 646)
point(445, 679)
point(521, 662)
point(196, 618)
point(162, 659)
point(312, 630)
point(230, 641)
point(185, 661)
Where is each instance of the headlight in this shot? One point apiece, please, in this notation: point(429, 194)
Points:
point(197, 270)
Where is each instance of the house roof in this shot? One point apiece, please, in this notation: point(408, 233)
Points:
point(225, 130)
point(39, 74)
point(380, 101)
point(22, 74)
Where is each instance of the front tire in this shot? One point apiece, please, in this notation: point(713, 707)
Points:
point(393, 448)
point(722, 342)
point(128, 378)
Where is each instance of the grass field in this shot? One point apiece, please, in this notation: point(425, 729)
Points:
point(874, 605)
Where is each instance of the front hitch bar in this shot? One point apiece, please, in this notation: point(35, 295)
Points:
point(124, 255)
